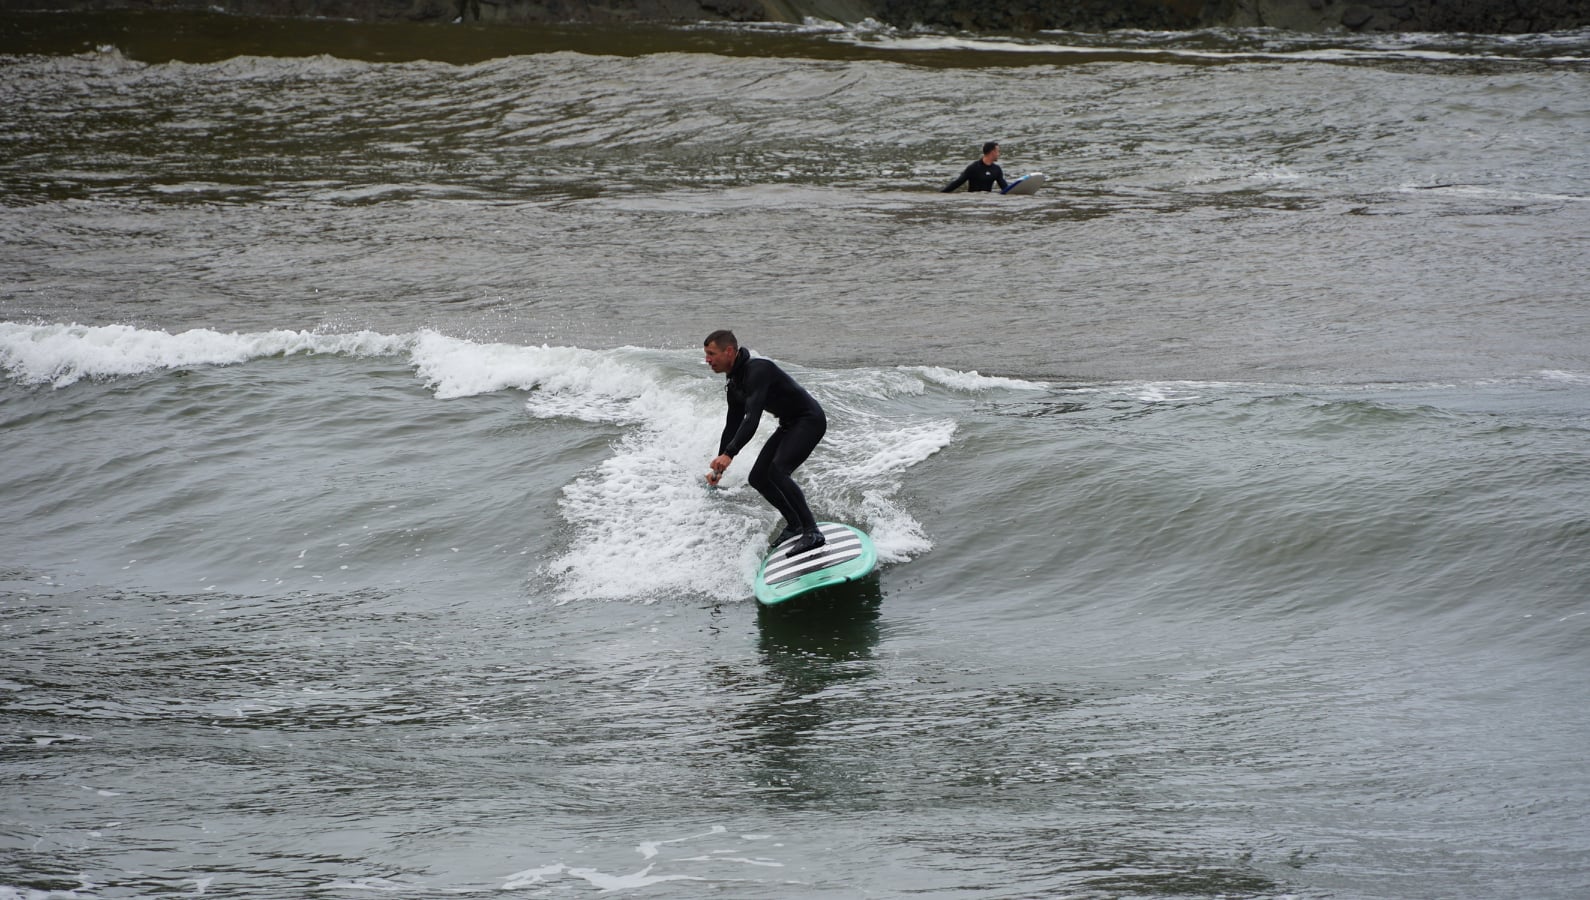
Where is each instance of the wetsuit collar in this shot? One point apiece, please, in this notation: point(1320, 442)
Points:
point(740, 360)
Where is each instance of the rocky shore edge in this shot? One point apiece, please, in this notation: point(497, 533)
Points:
point(1315, 16)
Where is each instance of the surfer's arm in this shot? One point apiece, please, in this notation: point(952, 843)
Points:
point(733, 446)
point(731, 425)
point(965, 174)
point(757, 383)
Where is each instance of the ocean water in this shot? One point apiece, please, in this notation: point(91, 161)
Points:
point(1232, 493)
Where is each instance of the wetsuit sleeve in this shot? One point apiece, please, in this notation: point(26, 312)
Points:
point(731, 423)
point(999, 176)
point(757, 381)
point(965, 174)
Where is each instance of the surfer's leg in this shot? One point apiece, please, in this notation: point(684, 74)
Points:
point(761, 478)
point(797, 444)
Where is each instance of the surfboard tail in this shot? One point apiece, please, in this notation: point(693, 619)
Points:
point(846, 555)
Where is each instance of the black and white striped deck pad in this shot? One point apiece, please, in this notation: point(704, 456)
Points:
point(843, 545)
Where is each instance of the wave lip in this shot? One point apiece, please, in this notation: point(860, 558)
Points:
point(62, 355)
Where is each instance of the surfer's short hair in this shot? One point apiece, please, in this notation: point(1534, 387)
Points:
point(990, 147)
point(723, 337)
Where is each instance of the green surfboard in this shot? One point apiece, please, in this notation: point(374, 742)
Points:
point(847, 556)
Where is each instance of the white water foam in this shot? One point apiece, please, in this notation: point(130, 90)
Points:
point(972, 381)
point(599, 880)
point(1356, 50)
point(718, 857)
point(1561, 377)
point(62, 355)
point(643, 522)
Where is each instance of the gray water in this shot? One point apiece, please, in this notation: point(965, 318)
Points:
point(1230, 491)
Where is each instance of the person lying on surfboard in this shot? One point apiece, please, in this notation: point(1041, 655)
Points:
point(983, 173)
point(756, 386)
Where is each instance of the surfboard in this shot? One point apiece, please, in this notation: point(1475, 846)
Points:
point(847, 556)
point(1026, 184)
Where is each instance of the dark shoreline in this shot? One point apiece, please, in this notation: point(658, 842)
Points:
point(1309, 16)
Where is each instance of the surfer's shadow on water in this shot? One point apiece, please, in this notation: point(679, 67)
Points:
point(836, 623)
point(808, 645)
point(814, 658)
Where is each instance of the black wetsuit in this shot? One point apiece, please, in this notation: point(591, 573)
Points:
point(757, 386)
point(979, 176)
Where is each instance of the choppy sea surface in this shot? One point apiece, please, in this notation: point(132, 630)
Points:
point(1232, 492)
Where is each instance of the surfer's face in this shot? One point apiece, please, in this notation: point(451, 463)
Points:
point(721, 359)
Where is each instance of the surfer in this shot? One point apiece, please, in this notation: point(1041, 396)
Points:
point(983, 173)
point(756, 386)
